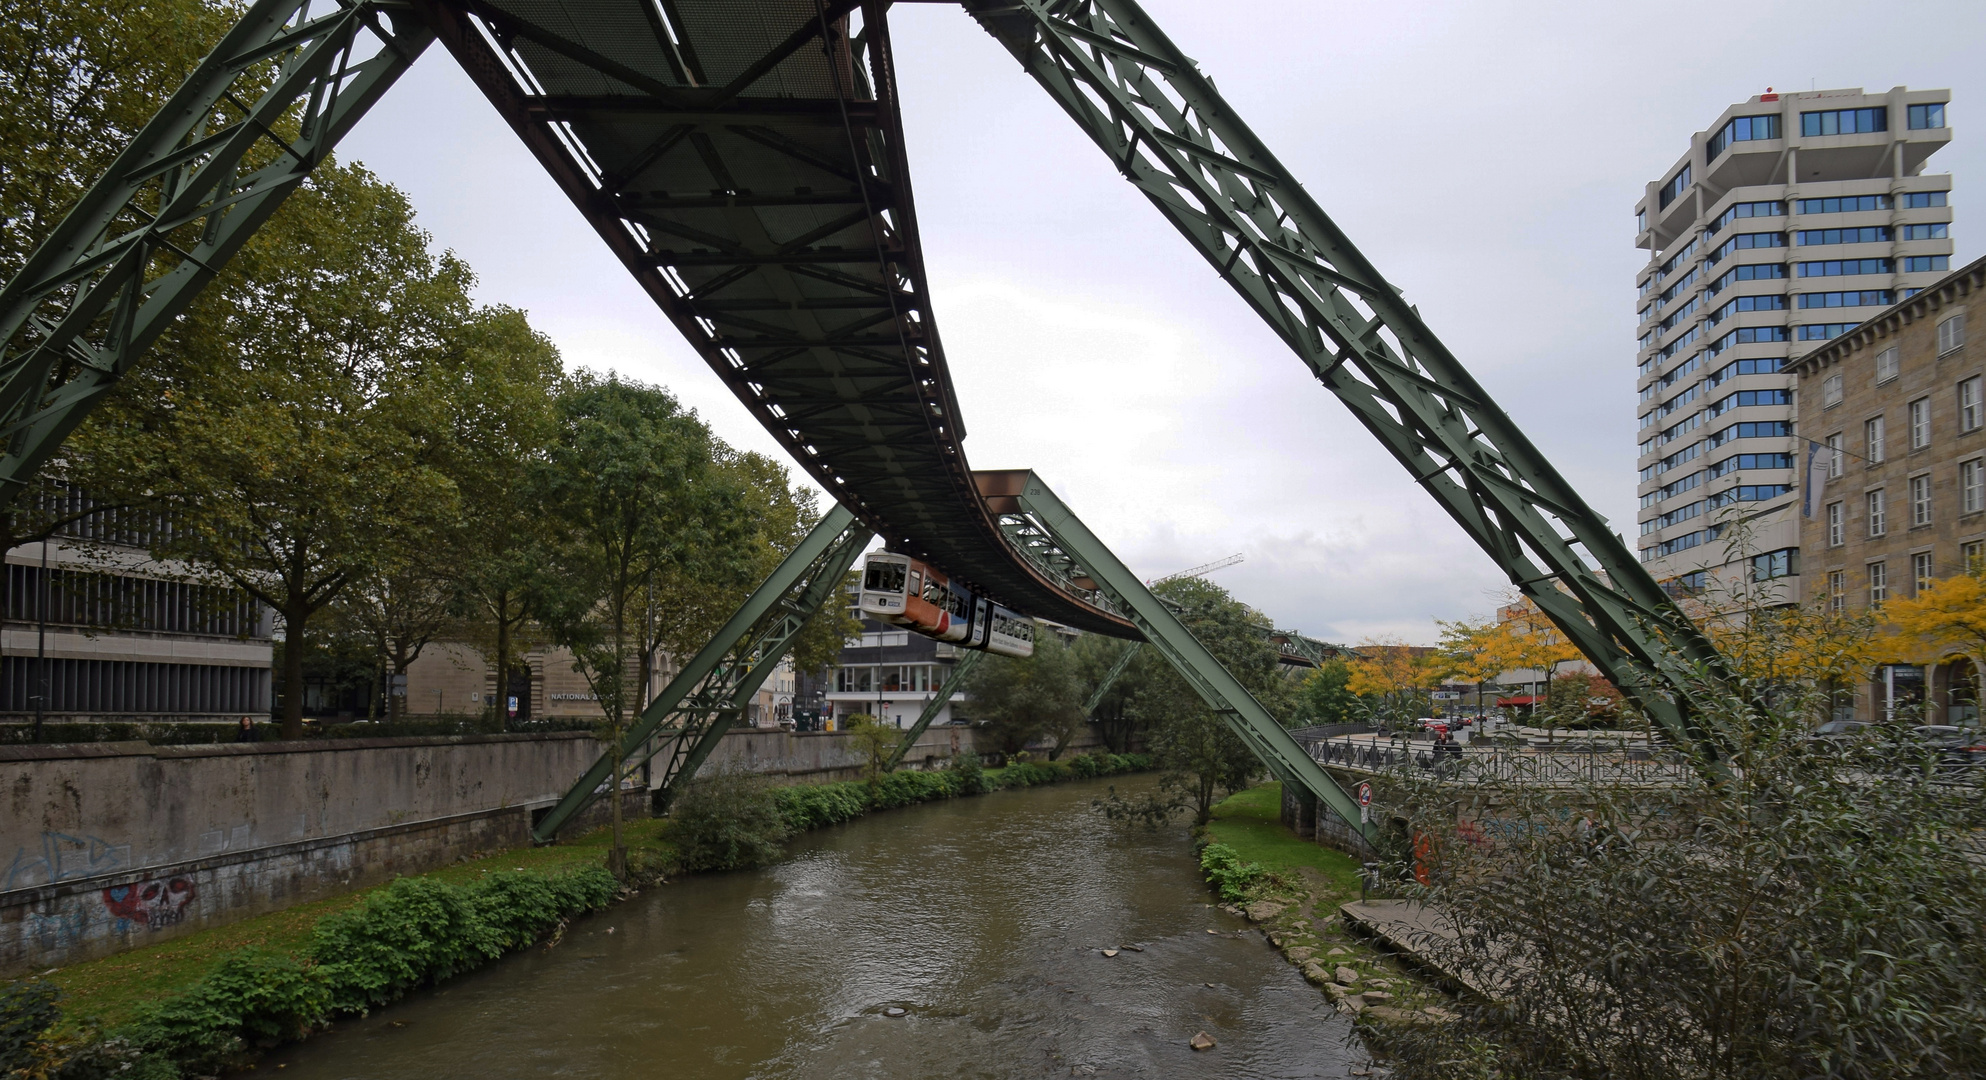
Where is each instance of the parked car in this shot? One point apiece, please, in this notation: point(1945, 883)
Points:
point(1955, 745)
point(1835, 729)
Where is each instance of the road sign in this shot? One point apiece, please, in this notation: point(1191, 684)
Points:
point(1364, 803)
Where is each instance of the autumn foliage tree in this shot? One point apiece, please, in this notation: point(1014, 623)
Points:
point(1398, 678)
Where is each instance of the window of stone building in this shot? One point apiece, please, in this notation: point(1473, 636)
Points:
point(1968, 404)
point(1830, 391)
point(1920, 572)
point(1971, 486)
point(1834, 456)
point(1920, 423)
point(1951, 333)
point(1837, 587)
point(1920, 501)
point(1872, 438)
point(1886, 365)
point(1834, 529)
point(1878, 584)
point(1973, 554)
point(1877, 526)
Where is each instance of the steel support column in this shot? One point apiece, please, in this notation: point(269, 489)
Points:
point(1023, 494)
point(1170, 133)
point(1109, 677)
point(936, 705)
point(273, 98)
point(706, 697)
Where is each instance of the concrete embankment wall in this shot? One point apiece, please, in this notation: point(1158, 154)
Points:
point(112, 845)
point(108, 846)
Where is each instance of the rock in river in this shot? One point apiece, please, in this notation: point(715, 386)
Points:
point(1202, 1041)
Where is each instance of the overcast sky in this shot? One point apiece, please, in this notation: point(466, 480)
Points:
point(1487, 157)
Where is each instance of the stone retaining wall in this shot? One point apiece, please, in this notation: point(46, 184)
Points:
point(113, 845)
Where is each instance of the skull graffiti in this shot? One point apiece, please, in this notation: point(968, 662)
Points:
point(154, 904)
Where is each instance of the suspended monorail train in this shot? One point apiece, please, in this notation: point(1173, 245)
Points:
point(911, 593)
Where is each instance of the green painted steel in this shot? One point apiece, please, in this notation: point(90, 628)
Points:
point(147, 237)
point(1163, 631)
point(710, 692)
point(1170, 133)
point(932, 708)
point(1110, 677)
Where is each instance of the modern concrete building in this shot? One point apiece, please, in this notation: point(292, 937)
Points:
point(1789, 220)
point(1898, 495)
point(96, 631)
point(891, 673)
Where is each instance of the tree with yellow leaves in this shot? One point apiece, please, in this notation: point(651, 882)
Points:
point(1946, 618)
point(1397, 676)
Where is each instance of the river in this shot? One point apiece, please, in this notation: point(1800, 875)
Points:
point(982, 919)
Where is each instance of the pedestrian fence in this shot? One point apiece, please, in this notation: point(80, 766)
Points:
point(1584, 763)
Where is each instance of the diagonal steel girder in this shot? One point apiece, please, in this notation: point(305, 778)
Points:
point(179, 201)
point(1168, 131)
point(953, 680)
point(706, 697)
point(1020, 496)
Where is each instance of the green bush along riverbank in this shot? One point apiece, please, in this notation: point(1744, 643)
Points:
point(215, 999)
point(1293, 889)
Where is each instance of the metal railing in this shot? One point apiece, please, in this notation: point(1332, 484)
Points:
point(1500, 764)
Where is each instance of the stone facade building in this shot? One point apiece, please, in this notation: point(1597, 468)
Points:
point(1894, 415)
point(453, 680)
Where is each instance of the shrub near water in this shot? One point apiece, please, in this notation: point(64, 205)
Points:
point(728, 821)
point(409, 934)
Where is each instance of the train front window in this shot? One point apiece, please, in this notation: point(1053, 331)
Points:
point(884, 577)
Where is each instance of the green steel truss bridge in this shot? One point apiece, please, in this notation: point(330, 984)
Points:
point(746, 162)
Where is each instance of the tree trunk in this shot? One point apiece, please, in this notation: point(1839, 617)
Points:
point(617, 855)
point(502, 661)
point(293, 622)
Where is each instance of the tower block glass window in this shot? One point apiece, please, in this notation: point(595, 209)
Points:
point(1787, 221)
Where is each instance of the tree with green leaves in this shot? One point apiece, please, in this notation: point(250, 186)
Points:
point(298, 435)
point(633, 486)
point(1324, 697)
point(507, 383)
point(78, 79)
point(1016, 699)
point(1194, 747)
point(1095, 656)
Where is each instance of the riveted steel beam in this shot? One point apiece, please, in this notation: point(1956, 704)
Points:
point(936, 705)
point(707, 696)
point(285, 84)
point(1170, 133)
point(1022, 495)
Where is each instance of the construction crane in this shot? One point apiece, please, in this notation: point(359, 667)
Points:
point(1200, 571)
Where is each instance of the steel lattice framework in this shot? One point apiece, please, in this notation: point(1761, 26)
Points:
point(250, 123)
point(746, 163)
point(1169, 132)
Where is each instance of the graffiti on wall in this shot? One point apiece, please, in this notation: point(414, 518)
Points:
point(61, 857)
point(154, 904)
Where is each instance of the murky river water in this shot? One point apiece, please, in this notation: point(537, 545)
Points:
point(983, 918)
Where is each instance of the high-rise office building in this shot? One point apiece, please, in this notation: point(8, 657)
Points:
point(1789, 220)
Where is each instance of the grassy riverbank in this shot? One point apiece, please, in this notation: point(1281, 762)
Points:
point(1293, 888)
point(218, 997)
